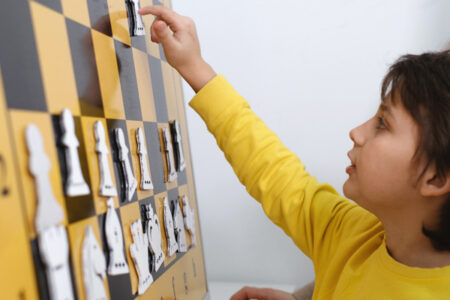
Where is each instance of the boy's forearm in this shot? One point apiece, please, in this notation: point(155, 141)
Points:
point(197, 74)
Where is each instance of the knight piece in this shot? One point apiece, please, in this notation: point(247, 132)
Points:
point(134, 18)
point(139, 254)
point(94, 267)
point(54, 252)
point(75, 184)
point(189, 220)
point(114, 238)
point(171, 172)
point(146, 181)
point(130, 182)
point(172, 245)
point(179, 227)
point(177, 146)
point(153, 231)
point(107, 187)
point(48, 211)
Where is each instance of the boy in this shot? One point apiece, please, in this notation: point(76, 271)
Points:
point(394, 242)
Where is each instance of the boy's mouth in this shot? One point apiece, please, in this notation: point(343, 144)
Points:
point(350, 169)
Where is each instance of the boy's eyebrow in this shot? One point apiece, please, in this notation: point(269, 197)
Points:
point(387, 109)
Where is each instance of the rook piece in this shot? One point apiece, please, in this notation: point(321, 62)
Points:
point(106, 184)
point(48, 211)
point(146, 181)
point(75, 185)
point(134, 18)
point(130, 182)
point(94, 267)
point(172, 245)
point(114, 239)
point(179, 227)
point(54, 251)
point(189, 220)
point(171, 172)
point(139, 254)
point(177, 145)
point(153, 231)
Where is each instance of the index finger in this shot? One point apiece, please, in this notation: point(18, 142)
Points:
point(165, 14)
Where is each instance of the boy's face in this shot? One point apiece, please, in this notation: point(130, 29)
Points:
point(382, 176)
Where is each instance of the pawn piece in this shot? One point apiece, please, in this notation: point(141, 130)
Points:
point(146, 181)
point(153, 231)
point(189, 220)
point(75, 185)
point(107, 188)
point(48, 211)
point(114, 239)
point(171, 172)
point(130, 182)
point(134, 18)
point(139, 254)
point(54, 252)
point(179, 227)
point(177, 145)
point(94, 267)
point(172, 245)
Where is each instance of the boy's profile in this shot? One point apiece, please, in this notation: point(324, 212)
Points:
point(394, 242)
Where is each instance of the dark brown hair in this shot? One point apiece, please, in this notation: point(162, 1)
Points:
point(423, 84)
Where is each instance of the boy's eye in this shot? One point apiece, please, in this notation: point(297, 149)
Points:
point(380, 123)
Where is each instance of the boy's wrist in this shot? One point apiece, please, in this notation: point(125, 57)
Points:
point(197, 74)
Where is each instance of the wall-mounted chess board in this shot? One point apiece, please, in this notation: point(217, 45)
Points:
point(79, 55)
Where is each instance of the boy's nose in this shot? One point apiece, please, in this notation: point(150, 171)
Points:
point(356, 136)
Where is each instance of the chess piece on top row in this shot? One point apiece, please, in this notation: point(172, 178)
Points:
point(189, 220)
point(114, 239)
point(153, 231)
point(146, 181)
point(52, 237)
point(167, 147)
point(172, 245)
point(107, 187)
point(94, 267)
point(139, 254)
point(134, 18)
point(129, 182)
point(177, 144)
point(75, 184)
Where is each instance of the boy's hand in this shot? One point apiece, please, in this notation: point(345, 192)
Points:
point(261, 294)
point(181, 45)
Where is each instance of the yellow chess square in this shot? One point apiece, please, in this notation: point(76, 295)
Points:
point(77, 11)
point(119, 21)
point(55, 59)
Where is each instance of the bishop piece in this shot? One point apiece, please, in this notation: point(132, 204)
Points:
point(75, 184)
point(178, 224)
point(130, 182)
point(171, 172)
point(146, 181)
point(114, 238)
point(107, 187)
point(134, 18)
point(177, 145)
point(172, 245)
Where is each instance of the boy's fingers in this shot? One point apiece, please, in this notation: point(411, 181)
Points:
point(169, 16)
point(162, 33)
point(249, 293)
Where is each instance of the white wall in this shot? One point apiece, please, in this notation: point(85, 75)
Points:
point(312, 71)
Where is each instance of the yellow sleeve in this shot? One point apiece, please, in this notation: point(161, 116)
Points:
point(309, 212)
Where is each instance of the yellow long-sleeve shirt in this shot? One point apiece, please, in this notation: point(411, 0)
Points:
point(345, 242)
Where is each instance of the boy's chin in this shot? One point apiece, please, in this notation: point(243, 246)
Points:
point(349, 191)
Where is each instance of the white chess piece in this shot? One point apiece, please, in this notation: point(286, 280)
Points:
point(153, 231)
point(189, 220)
point(54, 251)
point(94, 267)
point(114, 239)
point(137, 19)
point(107, 187)
point(139, 254)
point(172, 174)
point(48, 210)
point(146, 181)
point(172, 245)
point(130, 181)
point(178, 145)
point(178, 224)
point(75, 185)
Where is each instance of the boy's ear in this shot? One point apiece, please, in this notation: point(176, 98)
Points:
point(433, 185)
